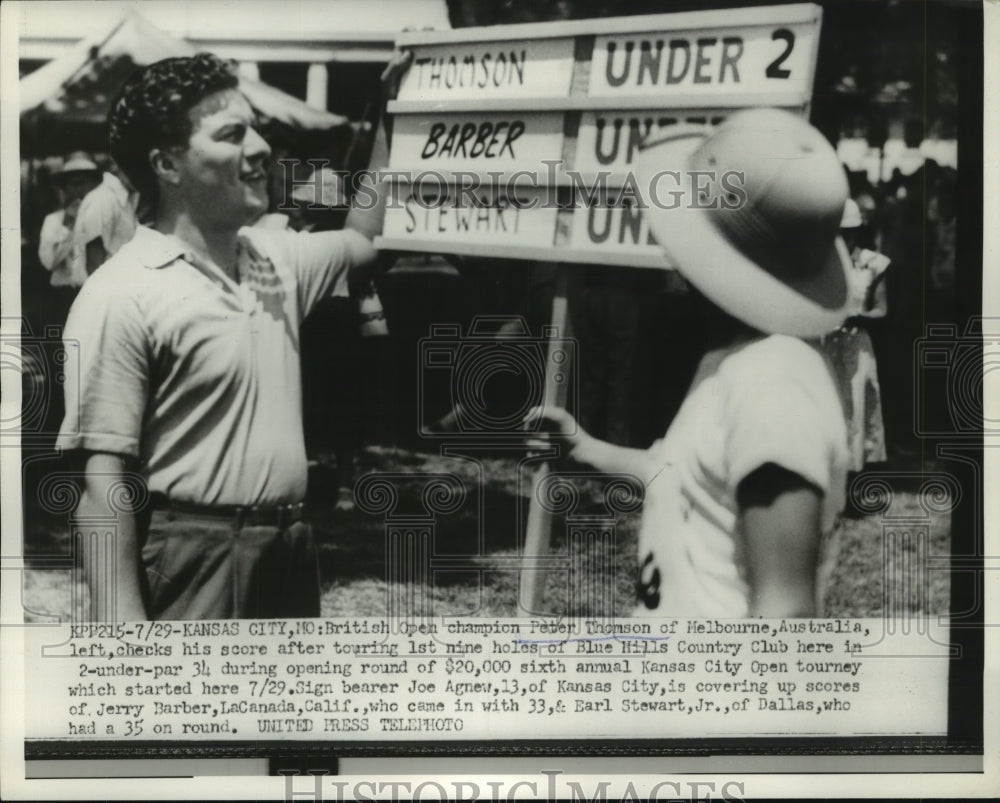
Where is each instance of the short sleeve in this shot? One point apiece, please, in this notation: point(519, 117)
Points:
point(785, 412)
point(323, 266)
point(320, 261)
point(107, 373)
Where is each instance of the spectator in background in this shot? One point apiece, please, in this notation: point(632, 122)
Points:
point(866, 235)
point(106, 220)
point(850, 347)
point(79, 175)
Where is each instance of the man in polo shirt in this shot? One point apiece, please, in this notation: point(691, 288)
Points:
point(189, 360)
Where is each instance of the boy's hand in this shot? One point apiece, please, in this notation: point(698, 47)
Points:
point(555, 425)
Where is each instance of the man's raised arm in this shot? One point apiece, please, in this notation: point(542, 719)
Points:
point(366, 217)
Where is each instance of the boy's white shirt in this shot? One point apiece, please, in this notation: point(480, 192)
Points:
point(769, 400)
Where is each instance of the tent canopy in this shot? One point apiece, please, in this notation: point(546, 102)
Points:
point(65, 102)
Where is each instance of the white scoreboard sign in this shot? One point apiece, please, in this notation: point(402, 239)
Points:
point(705, 62)
point(505, 141)
point(534, 68)
point(502, 135)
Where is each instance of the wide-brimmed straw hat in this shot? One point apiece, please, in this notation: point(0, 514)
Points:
point(754, 221)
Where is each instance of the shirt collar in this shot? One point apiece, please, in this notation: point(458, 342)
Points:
point(157, 250)
point(154, 249)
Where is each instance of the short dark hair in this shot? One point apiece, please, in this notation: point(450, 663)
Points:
point(151, 112)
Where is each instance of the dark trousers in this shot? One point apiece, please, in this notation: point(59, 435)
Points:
point(208, 567)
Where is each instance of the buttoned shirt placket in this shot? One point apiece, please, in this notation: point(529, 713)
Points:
point(247, 303)
point(240, 288)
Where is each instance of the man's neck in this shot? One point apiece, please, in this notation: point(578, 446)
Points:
point(217, 245)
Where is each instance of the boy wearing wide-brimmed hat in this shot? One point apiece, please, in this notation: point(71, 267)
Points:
point(749, 477)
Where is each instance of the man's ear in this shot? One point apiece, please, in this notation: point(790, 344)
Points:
point(164, 164)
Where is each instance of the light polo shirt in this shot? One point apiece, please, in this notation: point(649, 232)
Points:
point(771, 400)
point(195, 375)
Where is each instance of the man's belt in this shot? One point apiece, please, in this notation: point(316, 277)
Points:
point(240, 515)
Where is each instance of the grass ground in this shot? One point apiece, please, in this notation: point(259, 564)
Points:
point(475, 548)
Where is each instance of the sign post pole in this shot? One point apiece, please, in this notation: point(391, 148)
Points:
point(538, 531)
